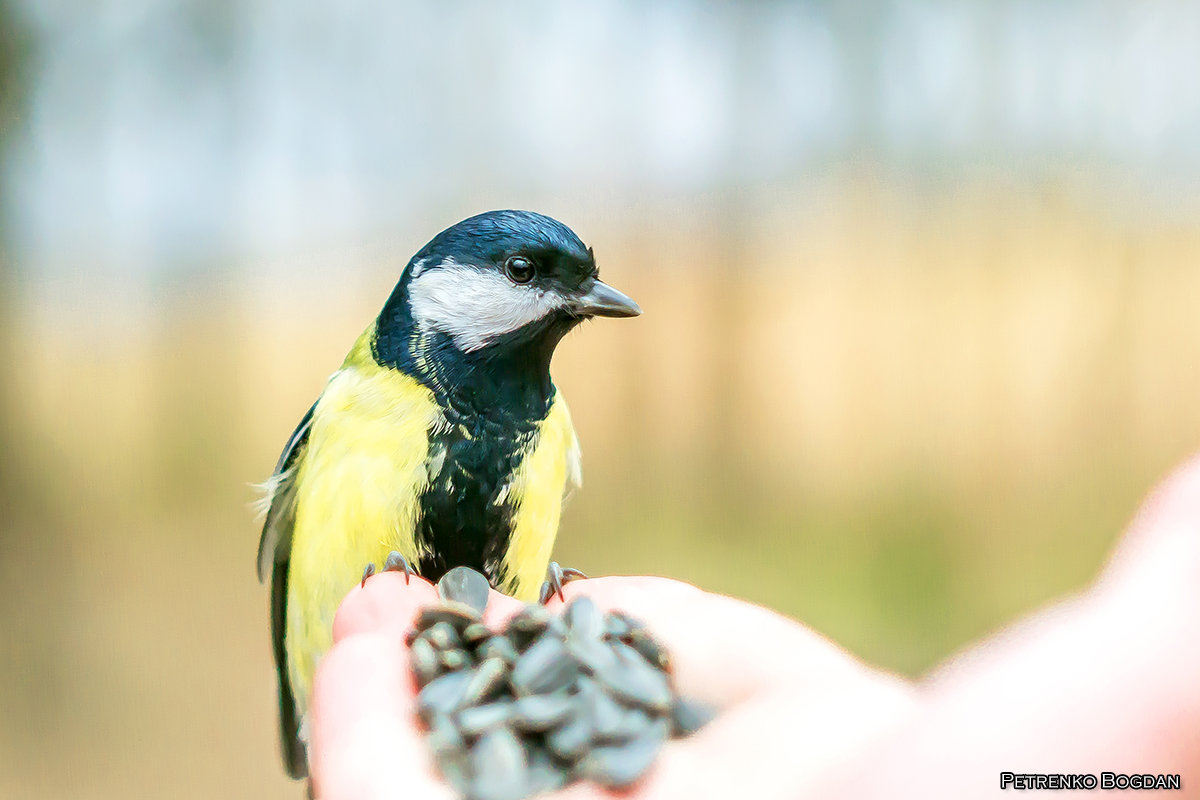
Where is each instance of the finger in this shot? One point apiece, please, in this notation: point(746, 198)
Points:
point(1105, 681)
point(386, 603)
point(500, 609)
point(1162, 545)
point(364, 743)
point(792, 700)
point(767, 748)
point(726, 650)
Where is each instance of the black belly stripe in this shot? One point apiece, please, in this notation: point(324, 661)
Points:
point(460, 523)
point(493, 402)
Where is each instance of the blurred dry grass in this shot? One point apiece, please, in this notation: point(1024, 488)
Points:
point(901, 422)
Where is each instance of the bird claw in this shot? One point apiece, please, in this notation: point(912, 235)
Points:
point(398, 563)
point(395, 563)
point(557, 577)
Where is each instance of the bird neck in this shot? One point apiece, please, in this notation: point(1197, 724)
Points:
point(496, 382)
point(506, 380)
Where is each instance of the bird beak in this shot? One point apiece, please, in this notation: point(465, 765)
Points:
point(603, 300)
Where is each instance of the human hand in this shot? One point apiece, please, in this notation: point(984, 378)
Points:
point(1105, 681)
point(1108, 680)
point(789, 700)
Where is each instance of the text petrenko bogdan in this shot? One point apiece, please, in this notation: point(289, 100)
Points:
point(1090, 780)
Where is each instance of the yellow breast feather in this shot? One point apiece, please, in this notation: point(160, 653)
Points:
point(357, 496)
point(549, 470)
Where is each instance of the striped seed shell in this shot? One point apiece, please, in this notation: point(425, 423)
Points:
point(583, 619)
point(689, 716)
point(649, 649)
point(442, 636)
point(454, 660)
point(475, 633)
point(618, 624)
point(487, 680)
point(619, 765)
point(593, 655)
point(500, 767)
point(544, 668)
point(457, 615)
point(425, 662)
point(608, 716)
point(477, 720)
point(465, 585)
point(443, 695)
point(527, 626)
point(541, 712)
point(498, 646)
point(570, 740)
point(544, 774)
point(635, 682)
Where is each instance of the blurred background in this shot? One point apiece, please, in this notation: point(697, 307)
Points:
point(921, 284)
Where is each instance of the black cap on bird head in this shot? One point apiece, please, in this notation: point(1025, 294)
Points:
point(504, 286)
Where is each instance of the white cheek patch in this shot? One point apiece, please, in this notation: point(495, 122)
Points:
point(473, 306)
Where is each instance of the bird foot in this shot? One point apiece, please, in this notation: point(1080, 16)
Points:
point(395, 563)
point(556, 578)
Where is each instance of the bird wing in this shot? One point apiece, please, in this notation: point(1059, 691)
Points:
point(280, 500)
point(274, 549)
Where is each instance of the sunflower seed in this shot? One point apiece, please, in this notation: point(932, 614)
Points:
point(486, 681)
point(583, 619)
point(541, 712)
point(591, 654)
point(475, 633)
point(453, 660)
point(443, 695)
point(689, 716)
point(425, 663)
point(570, 740)
point(444, 736)
point(634, 681)
point(543, 668)
point(527, 626)
point(465, 585)
point(607, 715)
point(481, 719)
point(619, 765)
point(442, 636)
point(498, 646)
point(457, 615)
point(631, 724)
point(544, 774)
point(641, 641)
point(556, 627)
point(501, 771)
point(551, 699)
point(618, 625)
point(456, 770)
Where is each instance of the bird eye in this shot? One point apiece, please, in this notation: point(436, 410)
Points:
point(519, 269)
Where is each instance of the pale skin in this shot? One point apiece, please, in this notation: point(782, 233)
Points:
point(1108, 680)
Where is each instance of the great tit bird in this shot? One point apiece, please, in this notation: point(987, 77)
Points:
point(441, 441)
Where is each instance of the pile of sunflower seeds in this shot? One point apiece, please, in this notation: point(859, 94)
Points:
point(544, 702)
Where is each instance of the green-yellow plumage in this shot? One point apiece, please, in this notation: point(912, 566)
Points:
point(441, 437)
point(362, 471)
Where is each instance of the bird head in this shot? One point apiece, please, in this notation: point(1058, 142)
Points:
point(500, 286)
